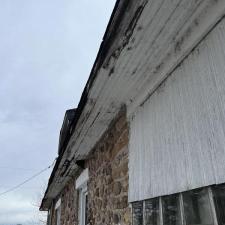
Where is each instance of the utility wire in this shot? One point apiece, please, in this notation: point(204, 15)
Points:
point(27, 180)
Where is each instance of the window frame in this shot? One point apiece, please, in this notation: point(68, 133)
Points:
point(81, 186)
point(58, 212)
point(181, 206)
point(82, 205)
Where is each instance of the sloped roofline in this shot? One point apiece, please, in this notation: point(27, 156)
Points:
point(121, 42)
point(108, 38)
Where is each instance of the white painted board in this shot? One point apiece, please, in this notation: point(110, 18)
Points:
point(177, 138)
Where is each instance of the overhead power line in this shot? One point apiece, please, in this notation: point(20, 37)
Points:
point(27, 180)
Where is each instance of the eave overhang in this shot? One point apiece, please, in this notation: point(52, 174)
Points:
point(144, 42)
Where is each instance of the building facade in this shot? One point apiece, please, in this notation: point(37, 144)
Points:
point(146, 144)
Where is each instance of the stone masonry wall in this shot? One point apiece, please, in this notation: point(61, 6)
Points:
point(69, 204)
point(108, 178)
point(53, 216)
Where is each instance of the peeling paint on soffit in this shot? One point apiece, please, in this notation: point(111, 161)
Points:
point(144, 42)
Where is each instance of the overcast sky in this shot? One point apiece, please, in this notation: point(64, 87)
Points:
point(47, 49)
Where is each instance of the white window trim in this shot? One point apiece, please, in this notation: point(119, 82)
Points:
point(58, 211)
point(82, 206)
point(81, 185)
point(82, 179)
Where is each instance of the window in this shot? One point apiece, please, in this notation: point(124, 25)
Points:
point(83, 198)
point(204, 206)
point(58, 211)
point(197, 207)
point(81, 186)
point(152, 212)
point(171, 210)
point(219, 199)
point(49, 218)
point(137, 213)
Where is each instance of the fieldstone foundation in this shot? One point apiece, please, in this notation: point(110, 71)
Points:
point(108, 178)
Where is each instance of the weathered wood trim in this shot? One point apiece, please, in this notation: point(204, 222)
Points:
point(205, 19)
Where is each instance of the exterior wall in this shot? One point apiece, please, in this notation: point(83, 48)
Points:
point(108, 178)
point(52, 215)
point(69, 206)
point(177, 137)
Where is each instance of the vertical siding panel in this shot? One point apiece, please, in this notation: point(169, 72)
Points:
point(218, 70)
point(177, 138)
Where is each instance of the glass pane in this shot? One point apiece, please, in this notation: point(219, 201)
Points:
point(137, 213)
point(197, 208)
point(152, 212)
point(219, 199)
point(171, 210)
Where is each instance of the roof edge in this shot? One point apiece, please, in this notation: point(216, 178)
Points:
point(108, 38)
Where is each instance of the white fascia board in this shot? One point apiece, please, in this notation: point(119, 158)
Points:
point(81, 181)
